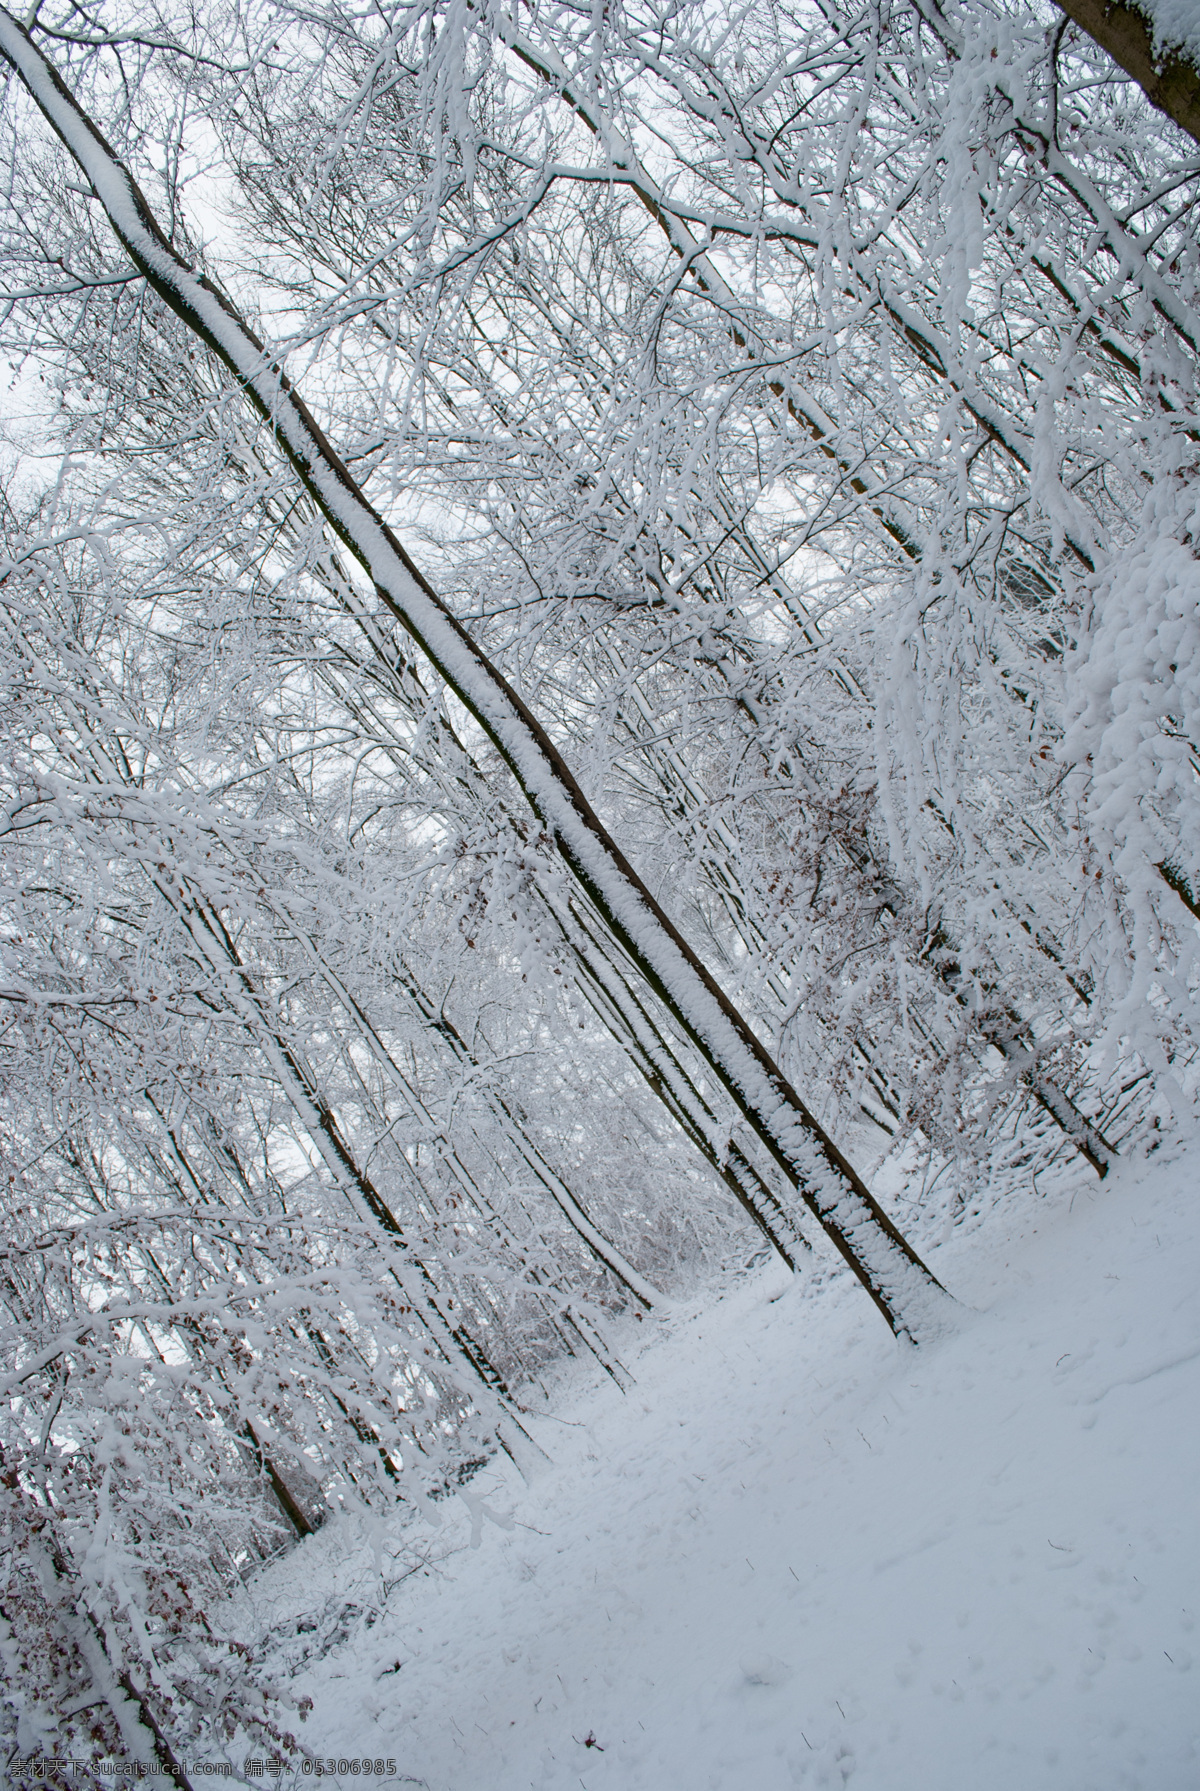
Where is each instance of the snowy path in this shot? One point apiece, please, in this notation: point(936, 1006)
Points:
point(795, 1555)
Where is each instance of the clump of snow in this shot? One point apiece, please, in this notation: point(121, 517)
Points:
point(1176, 26)
point(1138, 678)
point(1134, 685)
point(797, 1555)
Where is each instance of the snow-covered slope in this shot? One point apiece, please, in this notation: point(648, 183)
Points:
point(797, 1555)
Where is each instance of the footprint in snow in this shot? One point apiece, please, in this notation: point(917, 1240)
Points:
point(765, 1669)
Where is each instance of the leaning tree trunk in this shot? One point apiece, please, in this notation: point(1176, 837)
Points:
point(1170, 81)
point(906, 1292)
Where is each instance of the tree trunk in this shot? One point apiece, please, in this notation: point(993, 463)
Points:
point(1170, 82)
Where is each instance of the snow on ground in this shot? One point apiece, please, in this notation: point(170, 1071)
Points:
point(798, 1555)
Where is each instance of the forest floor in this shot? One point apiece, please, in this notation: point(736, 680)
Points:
point(794, 1554)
